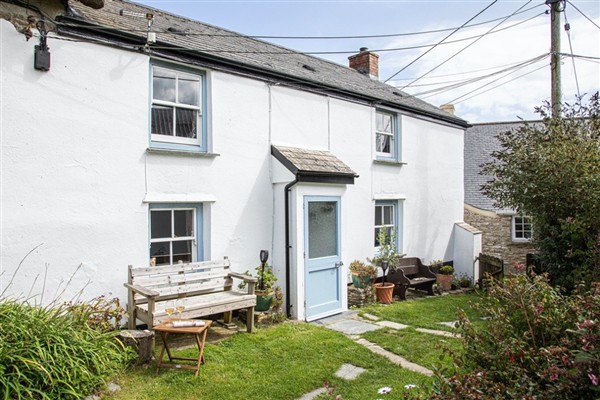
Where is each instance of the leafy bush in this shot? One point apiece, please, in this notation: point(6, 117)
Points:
point(60, 352)
point(550, 171)
point(539, 344)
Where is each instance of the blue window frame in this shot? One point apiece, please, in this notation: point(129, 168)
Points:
point(388, 216)
point(175, 233)
point(387, 138)
point(178, 109)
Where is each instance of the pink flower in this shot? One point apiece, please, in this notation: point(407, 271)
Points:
point(593, 378)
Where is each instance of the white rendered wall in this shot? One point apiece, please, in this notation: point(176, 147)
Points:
point(76, 172)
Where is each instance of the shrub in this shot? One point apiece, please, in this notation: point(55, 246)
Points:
point(56, 352)
point(538, 344)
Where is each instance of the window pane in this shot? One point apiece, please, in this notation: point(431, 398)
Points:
point(162, 120)
point(162, 253)
point(378, 213)
point(383, 144)
point(182, 251)
point(384, 123)
point(376, 237)
point(322, 229)
point(187, 120)
point(163, 84)
point(184, 223)
point(189, 89)
point(160, 223)
point(388, 215)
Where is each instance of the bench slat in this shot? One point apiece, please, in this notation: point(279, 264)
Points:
point(151, 281)
point(178, 268)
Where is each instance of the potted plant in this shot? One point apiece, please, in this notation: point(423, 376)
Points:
point(464, 281)
point(362, 274)
point(388, 257)
point(265, 284)
point(444, 277)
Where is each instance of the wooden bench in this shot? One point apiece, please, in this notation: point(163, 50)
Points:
point(203, 288)
point(410, 272)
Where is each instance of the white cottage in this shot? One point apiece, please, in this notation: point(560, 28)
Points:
point(138, 136)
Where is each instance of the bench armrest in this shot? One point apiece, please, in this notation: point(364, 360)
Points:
point(397, 276)
point(425, 271)
point(245, 278)
point(142, 290)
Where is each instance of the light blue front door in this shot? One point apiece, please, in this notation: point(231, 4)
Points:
point(322, 262)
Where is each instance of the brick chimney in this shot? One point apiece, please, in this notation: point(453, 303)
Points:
point(365, 62)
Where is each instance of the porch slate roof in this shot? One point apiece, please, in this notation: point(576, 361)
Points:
point(199, 42)
point(314, 165)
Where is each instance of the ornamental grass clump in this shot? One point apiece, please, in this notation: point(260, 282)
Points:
point(58, 352)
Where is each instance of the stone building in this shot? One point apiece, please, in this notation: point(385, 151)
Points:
point(506, 234)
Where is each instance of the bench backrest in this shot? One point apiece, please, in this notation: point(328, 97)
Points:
point(409, 270)
point(180, 280)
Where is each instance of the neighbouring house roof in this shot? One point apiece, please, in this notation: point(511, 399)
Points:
point(480, 141)
point(214, 47)
point(314, 165)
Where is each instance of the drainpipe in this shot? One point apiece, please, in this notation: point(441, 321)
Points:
point(286, 193)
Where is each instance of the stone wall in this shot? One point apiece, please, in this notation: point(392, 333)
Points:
point(497, 238)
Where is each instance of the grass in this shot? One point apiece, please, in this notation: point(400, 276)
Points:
point(428, 312)
point(421, 348)
point(281, 362)
point(288, 360)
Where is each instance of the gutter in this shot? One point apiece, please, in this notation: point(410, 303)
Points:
point(286, 193)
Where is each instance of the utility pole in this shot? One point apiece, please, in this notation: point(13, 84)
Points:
point(555, 90)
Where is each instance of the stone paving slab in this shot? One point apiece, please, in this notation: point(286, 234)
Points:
point(349, 372)
point(396, 359)
point(451, 324)
point(393, 325)
point(350, 314)
point(439, 333)
point(353, 327)
point(313, 394)
point(371, 317)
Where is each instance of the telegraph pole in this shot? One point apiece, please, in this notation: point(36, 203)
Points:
point(555, 90)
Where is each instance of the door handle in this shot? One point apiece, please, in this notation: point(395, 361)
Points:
point(339, 264)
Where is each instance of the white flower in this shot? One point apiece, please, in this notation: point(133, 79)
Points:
point(410, 386)
point(384, 390)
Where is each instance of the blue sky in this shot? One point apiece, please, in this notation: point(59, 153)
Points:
point(503, 96)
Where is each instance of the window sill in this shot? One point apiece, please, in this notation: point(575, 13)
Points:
point(154, 150)
point(388, 161)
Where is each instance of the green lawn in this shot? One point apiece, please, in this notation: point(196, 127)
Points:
point(428, 312)
point(287, 360)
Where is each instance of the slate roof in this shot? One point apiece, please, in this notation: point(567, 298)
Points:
point(480, 141)
point(313, 163)
point(208, 43)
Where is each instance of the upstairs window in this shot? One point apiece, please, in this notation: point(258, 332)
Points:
point(521, 229)
point(177, 117)
point(386, 135)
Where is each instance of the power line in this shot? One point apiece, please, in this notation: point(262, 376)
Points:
point(444, 39)
point(464, 48)
point(333, 37)
point(497, 86)
point(512, 69)
point(581, 12)
point(568, 30)
point(459, 73)
point(287, 51)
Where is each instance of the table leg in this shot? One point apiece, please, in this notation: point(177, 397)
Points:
point(200, 343)
point(163, 336)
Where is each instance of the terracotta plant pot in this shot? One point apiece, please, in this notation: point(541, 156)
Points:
point(445, 281)
point(384, 292)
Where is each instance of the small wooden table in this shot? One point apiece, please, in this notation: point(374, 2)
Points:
point(199, 332)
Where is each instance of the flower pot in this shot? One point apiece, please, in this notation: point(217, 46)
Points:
point(263, 301)
point(360, 283)
point(445, 281)
point(384, 292)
